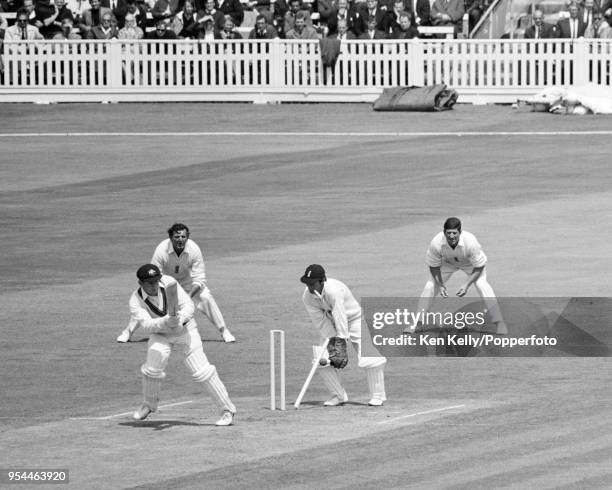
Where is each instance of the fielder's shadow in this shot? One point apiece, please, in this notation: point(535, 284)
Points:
point(161, 424)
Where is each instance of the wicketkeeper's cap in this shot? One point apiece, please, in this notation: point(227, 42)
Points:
point(314, 272)
point(148, 271)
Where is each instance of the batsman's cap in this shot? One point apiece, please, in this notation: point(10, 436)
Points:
point(148, 271)
point(314, 272)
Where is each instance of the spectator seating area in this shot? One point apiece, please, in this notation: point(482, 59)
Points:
point(234, 18)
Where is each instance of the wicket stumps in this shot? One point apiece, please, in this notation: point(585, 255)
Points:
point(281, 338)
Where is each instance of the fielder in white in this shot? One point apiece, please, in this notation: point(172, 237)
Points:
point(149, 309)
point(182, 259)
point(335, 312)
point(452, 250)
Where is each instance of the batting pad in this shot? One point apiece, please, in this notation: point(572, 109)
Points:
point(331, 379)
point(376, 382)
point(198, 364)
point(150, 390)
point(218, 392)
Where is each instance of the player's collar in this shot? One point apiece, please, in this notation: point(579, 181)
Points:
point(149, 303)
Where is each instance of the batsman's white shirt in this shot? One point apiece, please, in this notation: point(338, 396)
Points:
point(150, 312)
point(467, 253)
point(187, 268)
point(334, 311)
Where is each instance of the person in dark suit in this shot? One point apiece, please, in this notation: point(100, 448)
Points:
point(540, 29)
point(342, 31)
point(372, 11)
point(421, 11)
point(262, 29)
point(448, 13)
point(232, 8)
point(210, 11)
point(106, 29)
point(350, 14)
point(161, 32)
point(372, 32)
point(52, 16)
point(573, 27)
point(406, 27)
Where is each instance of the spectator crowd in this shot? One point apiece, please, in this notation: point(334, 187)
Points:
point(268, 19)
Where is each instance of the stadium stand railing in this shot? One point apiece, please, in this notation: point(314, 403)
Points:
point(293, 71)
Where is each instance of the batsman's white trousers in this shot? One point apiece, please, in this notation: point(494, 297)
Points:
point(190, 345)
point(481, 284)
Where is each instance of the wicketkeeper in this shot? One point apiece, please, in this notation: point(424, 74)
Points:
point(335, 312)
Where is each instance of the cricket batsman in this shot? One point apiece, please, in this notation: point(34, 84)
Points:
point(335, 312)
point(168, 319)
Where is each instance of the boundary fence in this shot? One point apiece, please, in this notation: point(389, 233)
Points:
point(293, 70)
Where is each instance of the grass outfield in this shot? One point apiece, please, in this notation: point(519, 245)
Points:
point(81, 212)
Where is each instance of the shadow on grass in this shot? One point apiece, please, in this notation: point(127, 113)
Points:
point(319, 404)
point(162, 424)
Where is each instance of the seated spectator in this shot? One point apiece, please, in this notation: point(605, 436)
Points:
point(68, 31)
point(184, 23)
point(232, 8)
point(52, 16)
point(599, 27)
point(420, 10)
point(77, 7)
point(139, 12)
point(392, 20)
point(342, 31)
point(92, 17)
point(229, 29)
point(373, 11)
point(350, 15)
point(540, 29)
point(106, 30)
point(206, 30)
point(29, 6)
point(262, 30)
point(372, 31)
point(572, 27)
point(296, 7)
point(165, 9)
point(586, 11)
point(406, 28)
point(301, 30)
point(448, 13)
point(22, 29)
point(161, 32)
point(130, 29)
point(217, 16)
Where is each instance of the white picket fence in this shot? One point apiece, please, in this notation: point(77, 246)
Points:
point(289, 70)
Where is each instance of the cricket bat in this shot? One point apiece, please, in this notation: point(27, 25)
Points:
point(172, 299)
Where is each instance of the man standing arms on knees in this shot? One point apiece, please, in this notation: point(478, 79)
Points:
point(171, 324)
point(182, 259)
point(451, 250)
point(335, 312)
